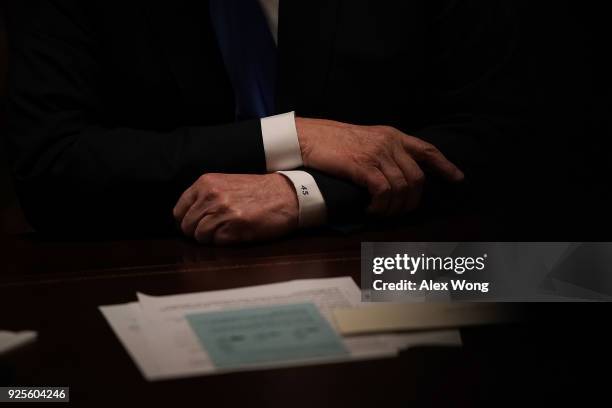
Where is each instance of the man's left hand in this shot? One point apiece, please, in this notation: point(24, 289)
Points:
point(234, 208)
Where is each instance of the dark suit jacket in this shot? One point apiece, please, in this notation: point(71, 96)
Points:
point(116, 107)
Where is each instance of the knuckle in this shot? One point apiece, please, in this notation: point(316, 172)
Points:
point(204, 179)
point(382, 189)
point(225, 236)
point(223, 204)
point(402, 186)
point(238, 217)
point(213, 192)
point(429, 150)
point(386, 136)
point(209, 194)
point(419, 178)
point(385, 130)
point(207, 180)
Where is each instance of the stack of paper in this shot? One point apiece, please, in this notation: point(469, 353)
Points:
point(276, 325)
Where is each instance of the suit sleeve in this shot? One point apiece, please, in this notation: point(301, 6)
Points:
point(73, 172)
point(472, 110)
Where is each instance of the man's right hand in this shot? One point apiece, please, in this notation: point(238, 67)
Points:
point(381, 158)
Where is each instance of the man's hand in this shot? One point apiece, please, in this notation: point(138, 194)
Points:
point(233, 208)
point(381, 158)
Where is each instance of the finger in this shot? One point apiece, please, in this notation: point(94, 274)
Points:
point(193, 216)
point(414, 177)
point(378, 187)
point(207, 226)
point(229, 233)
point(429, 154)
point(399, 187)
point(184, 203)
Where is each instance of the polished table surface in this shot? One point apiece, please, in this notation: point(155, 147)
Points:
point(56, 286)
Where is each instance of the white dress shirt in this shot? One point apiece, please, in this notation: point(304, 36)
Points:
point(282, 148)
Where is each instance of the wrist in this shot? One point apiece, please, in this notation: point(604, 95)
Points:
point(289, 200)
point(312, 211)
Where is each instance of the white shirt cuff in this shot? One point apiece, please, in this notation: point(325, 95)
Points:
point(312, 211)
point(280, 141)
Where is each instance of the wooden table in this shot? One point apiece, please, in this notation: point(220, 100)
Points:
point(55, 287)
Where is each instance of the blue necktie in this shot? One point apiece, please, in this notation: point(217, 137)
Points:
point(249, 53)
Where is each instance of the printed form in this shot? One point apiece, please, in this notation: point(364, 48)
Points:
point(158, 335)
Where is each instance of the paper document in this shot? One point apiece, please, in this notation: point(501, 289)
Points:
point(172, 336)
point(236, 338)
point(13, 340)
point(384, 318)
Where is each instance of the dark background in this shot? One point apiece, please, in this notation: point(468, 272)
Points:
point(4, 176)
point(566, 46)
